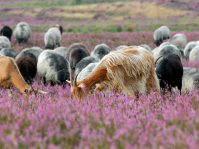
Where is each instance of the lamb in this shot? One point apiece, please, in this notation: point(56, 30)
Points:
point(61, 51)
point(32, 52)
point(4, 42)
point(131, 68)
point(22, 32)
point(53, 67)
point(179, 40)
point(100, 51)
point(8, 52)
point(75, 53)
point(84, 62)
point(120, 47)
point(27, 68)
point(189, 47)
point(194, 54)
point(11, 76)
point(161, 34)
point(146, 47)
point(7, 32)
point(53, 37)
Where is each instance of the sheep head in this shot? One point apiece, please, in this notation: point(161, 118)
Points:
point(59, 27)
point(77, 90)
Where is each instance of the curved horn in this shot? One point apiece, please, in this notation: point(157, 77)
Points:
point(75, 80)
point(157, 60)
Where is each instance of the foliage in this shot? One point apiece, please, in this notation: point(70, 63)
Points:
point(56, 120)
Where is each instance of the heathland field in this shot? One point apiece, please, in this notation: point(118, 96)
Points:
point(56, 121)
point(97, 16)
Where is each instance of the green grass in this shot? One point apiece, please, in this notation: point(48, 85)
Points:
point(48, 3)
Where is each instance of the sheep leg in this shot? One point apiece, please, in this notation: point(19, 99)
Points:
point(180, 87)
point(44, 80)
point(64, 85)
point(52, 83)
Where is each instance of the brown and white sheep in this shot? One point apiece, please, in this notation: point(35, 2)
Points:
point(131, 68)
point(11, 76)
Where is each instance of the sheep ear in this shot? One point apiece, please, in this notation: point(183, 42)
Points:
point(68, 81)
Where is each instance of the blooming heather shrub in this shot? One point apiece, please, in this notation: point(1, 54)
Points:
point(55, 120)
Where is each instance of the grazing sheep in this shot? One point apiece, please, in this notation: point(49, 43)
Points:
point(120, 47)
point(100, 51)
point(131, 68)
point(86, 71)
point(11, 76)
point(22, 32)
point(7, 32)
point(179, 40)
point(194, 54)
point(59, 27)
point(146, 47)
point(53, 37)
point(164, 49)
point(161, 34)
point(61, 51)
point(8, 52)
point(189, 47)
point(170, 71)
point(190, 78)
point(27, 68)
point(33, 53)
point(75, 53)
point(84, 62)
point(53, 67)
point(4, 42)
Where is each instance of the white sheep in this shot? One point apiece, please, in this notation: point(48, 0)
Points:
point(52, 37)
point(189, 47)
point(161, 34)
point(194, 54)
point(146, 47)
point(8, 52)
point(4, 42)
point(61, 51)
point(84, 62)
point(86, 71)
point(53, 67)
point(22, 32)
point(190, 78)
point(120, 47)
point(179, 40)
point(100, 51)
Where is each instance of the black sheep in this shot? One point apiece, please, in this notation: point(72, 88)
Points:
point(27, 68)
point(7, 32)
point(169, 72)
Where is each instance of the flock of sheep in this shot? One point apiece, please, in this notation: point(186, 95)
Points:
point(60, 64)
